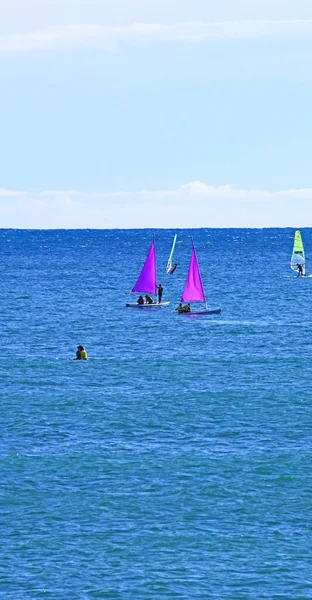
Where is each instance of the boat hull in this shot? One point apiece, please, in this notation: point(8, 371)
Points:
point(154, 305)
point(204, 311)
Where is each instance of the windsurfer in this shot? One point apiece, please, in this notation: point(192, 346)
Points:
point(160, 292)
point(140, 300)
point(173, 269)
point(149, 299)
point(300, 270)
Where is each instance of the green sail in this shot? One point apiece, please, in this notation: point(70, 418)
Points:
point(298, 256)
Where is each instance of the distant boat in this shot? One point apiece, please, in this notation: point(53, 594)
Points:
point(194, 290)
point(298, 256)
point(169, 263)
point(146, 283)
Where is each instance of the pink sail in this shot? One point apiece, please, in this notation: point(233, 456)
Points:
point(146, 283)
point(193, 291)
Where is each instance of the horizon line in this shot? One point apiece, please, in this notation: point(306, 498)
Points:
point(148, 228)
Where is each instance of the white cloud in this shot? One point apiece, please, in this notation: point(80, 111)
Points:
point(192, 205)
point(21, 16)
point(110, 37)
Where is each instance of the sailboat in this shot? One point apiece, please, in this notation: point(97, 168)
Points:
point(146, 283)
point(169, 263)
point(298, 256)
point(194, 290)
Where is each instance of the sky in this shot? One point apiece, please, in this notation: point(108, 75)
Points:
point(155, 113)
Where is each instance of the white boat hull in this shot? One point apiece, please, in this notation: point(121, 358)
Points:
point(203, 311)
point(154, 305)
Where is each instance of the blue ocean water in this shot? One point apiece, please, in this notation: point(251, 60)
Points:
point(176, 462)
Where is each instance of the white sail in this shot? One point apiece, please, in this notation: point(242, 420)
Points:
point(169, 263)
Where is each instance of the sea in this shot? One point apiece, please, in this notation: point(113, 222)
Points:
point(176, 462)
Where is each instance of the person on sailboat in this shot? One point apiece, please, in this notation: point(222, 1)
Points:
point(173, 269)
point(160, 292)
point(81, 353)
point(300, 270)
point(141, 300)
point(149, 299)
point(180, 308)
point(187, 308)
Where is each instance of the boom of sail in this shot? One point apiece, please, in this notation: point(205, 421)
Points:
point(298, 256)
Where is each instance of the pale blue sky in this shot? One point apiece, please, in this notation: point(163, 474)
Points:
point(107, 111)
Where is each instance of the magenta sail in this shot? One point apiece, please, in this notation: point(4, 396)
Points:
point(193, 291)
point(146, 282)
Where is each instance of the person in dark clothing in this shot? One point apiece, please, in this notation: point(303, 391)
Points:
point(160, 292)
point(300, 270)
point(173, 269)
point(149, 299)
point(140, 300)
